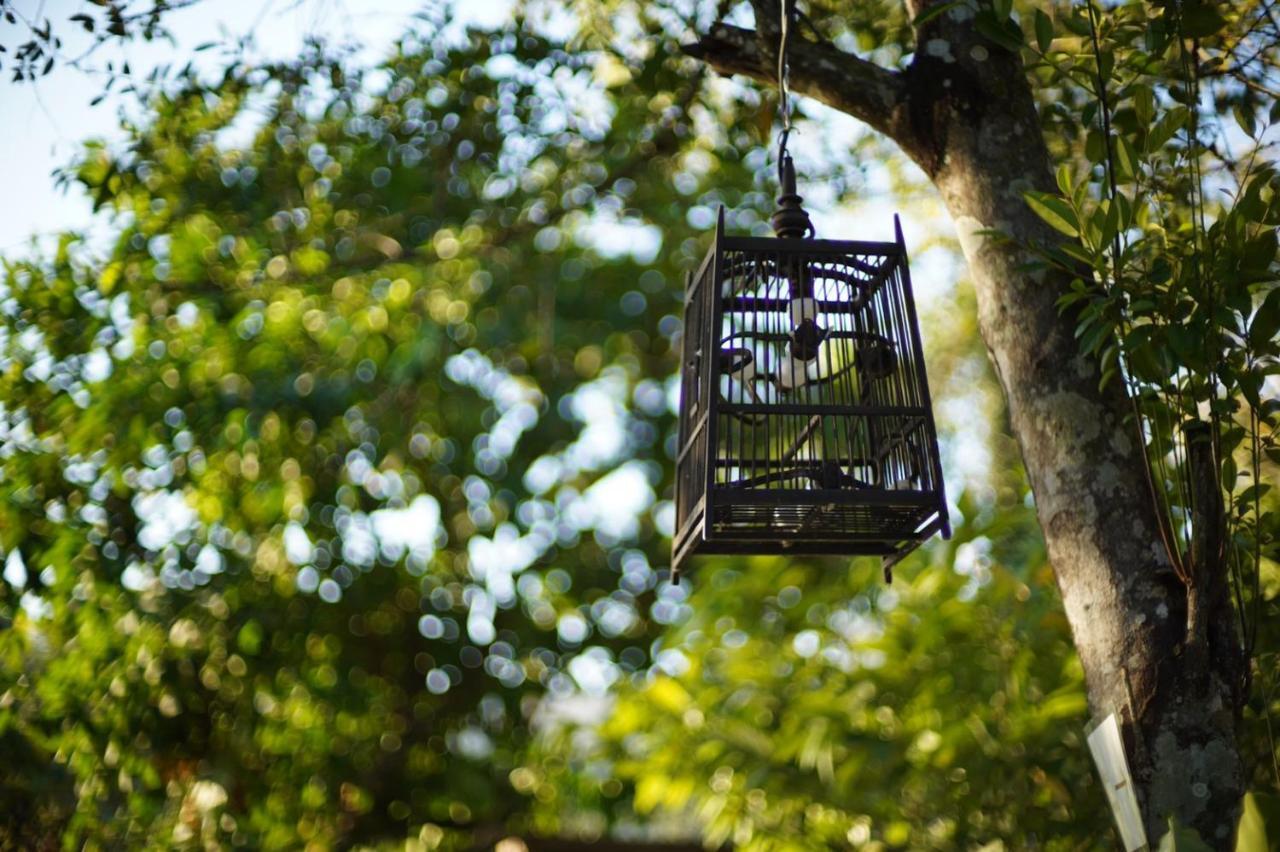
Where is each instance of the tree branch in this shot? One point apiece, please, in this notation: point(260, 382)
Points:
point(840, 80)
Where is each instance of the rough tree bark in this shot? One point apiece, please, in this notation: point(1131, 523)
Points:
point(964, 112)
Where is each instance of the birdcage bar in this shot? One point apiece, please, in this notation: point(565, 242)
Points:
point(797, 408)
point(805, 419)
point(813, 246)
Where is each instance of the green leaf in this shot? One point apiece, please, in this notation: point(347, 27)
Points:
point(1055, 211)
point(934, 11)
point(249, 639)
point(1251, 386)
point(1078, 253)
point(1126, 159)
point(1260, 252)
point(1229, 472)
point(1251, 204)
point(1145, 365)
point(1002, 8)
point(1044, 31)
point(1063, 704)
point(1066, 300)
point(1106, 63)
point(1064, 179)
point(1144, 104)
point(1155, 38)
point(1266, 320)
point(1180, 839)
point(1077, 22)
point(1200, 20)
point(1126, 211)
point(1252, 494)
point(669, 694)
point(1245, 118)
point(649, 792)
point(1097, 336)
point(1186, 345)
point(1106, 219)
point(1260, 811)
point(1004, 33)
point(1095, 147)
point(1169, 124)
point(1079, 194)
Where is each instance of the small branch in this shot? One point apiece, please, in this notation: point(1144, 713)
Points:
point(840, 80)
point(1206, 556)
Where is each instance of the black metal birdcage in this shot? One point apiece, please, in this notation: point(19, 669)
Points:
point(805, 420)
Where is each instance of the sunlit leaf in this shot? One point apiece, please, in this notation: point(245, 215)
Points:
point(1054, 211)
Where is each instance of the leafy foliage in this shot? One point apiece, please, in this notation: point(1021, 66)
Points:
point(337, 481)
point(1173, 210)
point(801, 707)
point(273, 465)
point(100, 22)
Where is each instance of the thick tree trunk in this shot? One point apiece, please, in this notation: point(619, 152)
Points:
point(964, 112)
point(1127, 608)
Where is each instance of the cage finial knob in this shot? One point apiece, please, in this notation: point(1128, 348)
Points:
point(790, 219)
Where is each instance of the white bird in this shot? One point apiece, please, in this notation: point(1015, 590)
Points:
point(810, 355)
point(738, 365)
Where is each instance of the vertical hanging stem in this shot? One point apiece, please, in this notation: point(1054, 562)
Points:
point(1160, 501)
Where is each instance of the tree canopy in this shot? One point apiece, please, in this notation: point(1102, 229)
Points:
point(336, 488)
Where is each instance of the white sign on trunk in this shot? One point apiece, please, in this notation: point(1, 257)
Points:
point(1108, 753)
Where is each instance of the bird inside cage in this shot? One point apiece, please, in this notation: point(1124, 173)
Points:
point(782, 347)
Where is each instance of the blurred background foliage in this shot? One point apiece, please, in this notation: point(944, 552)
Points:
point(336, 490)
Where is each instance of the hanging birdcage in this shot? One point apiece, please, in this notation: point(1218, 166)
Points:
point(805, 420)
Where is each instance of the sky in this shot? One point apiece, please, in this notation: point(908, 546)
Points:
point(43, 125)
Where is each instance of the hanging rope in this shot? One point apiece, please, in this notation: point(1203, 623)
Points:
point(790, 219)
point(784, 91)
